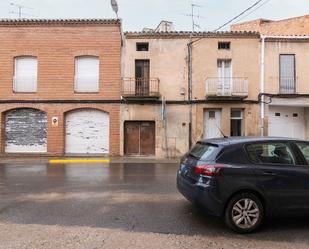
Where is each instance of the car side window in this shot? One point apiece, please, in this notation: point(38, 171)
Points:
point(270, 153)
point(304, 149)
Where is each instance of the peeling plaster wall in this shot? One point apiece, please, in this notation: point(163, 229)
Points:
point(174, 137)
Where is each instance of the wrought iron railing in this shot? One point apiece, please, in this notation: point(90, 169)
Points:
point(287, 85)
point(230, 86)
point(140, 87)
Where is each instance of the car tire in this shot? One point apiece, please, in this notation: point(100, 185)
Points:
point(244, 213)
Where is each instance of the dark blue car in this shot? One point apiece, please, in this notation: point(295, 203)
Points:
point(245, 179)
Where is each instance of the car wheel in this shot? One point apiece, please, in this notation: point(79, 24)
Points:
point(244, 213)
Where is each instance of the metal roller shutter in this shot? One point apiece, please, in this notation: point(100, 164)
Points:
point(25, 131)
point(87, 132)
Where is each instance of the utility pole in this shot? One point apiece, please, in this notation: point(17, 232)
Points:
point(20, 9)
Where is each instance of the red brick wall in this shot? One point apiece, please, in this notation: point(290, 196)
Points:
point(291, 26)
point(56, 47)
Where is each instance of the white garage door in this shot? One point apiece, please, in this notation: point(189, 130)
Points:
point(25, 131)
point(87, 132)
point(286, 122)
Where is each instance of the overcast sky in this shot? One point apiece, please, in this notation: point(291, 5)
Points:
point(137, 14)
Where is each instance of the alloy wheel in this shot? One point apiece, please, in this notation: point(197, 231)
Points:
point(245, 213)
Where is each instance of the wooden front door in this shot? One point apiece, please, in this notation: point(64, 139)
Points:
point(139, 138)
point(142, 74)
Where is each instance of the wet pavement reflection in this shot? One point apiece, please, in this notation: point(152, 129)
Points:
point(128, 196)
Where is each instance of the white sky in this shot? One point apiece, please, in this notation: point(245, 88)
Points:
point(137, 14)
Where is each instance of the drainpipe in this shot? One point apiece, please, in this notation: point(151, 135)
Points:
point(190, 89)
point(262, 83)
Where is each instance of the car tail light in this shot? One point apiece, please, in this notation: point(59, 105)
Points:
point(208, 169)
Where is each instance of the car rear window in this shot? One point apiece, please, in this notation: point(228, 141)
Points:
point(232, 155)
point(204, 151)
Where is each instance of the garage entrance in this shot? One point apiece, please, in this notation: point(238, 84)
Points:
point(139, 138)
point(25, 131)
point(286, 121)
point(87, 132)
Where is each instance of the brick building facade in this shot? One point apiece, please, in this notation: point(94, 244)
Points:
point(291, 26)
point(66, 72)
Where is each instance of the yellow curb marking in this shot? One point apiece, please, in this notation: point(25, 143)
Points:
point(79, 161)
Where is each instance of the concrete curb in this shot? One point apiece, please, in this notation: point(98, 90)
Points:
point(45, 160)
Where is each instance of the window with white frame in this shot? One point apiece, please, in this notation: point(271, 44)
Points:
point(87, 74)
point(25, 74)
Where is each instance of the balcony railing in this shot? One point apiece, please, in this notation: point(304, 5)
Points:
point(287, 85)
point(227, 87)
point(141, 87)
point(25, 84)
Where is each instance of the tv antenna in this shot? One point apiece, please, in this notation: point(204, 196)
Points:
point(20, 9)
point(193, 16)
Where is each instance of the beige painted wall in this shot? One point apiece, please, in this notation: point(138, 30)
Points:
point(167, 62)
point(251, 118)
point(176, 136)
point(272, 51)
point(245, 57)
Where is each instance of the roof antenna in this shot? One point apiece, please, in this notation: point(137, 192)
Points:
point(193, 16)
point(225, 136)
point(20, 12)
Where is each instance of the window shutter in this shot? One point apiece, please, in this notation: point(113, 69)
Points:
point(25, 79)
point(87, 74)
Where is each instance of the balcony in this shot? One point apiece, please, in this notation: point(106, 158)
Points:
point(141, 88)
point(231, 87)
point(287, 85)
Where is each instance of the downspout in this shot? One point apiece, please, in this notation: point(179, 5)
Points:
point(190, 89)
point(262, 84)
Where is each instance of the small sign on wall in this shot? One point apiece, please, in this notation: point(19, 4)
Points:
point(54, 121)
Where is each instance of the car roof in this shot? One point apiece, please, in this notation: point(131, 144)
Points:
point(240, 140)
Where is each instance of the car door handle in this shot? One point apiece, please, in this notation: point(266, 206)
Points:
point(268, 173)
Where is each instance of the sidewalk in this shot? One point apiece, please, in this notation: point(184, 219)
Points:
point(112, 159)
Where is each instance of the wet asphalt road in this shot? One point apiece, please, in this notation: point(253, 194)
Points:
point(117, 206)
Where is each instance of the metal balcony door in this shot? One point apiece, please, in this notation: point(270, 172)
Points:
point(142, 73)
point(224, 74)
point(287, 73)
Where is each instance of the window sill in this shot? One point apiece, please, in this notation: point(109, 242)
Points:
point(75, 92)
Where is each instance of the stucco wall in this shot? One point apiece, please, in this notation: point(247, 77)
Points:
point(171, 141)
point(244, 53)
point(168, 62)
point(272, 51)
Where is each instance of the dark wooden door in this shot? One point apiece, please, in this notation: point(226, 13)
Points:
point(131, 138)
point(139, 138)
point(147, 138)
point(142, 74)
